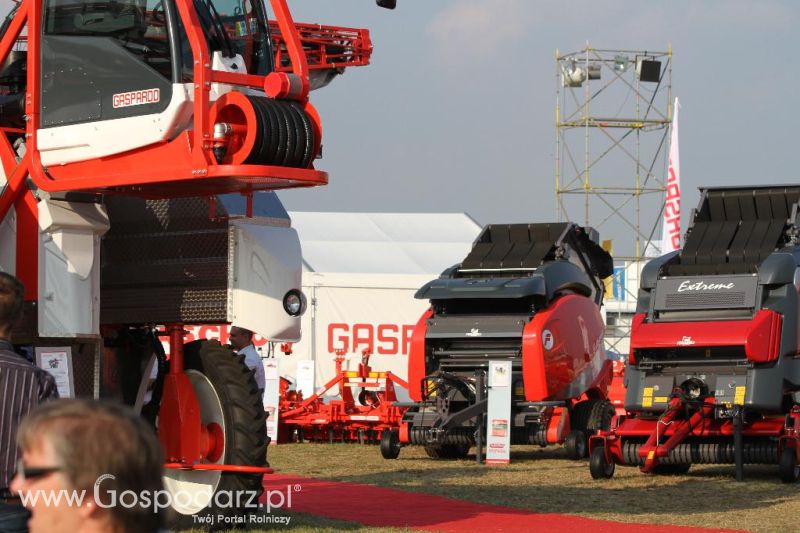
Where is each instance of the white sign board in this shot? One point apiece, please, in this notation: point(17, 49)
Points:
point(498, 426)
point(58, 362)
point(272, 385)
point(305, 377)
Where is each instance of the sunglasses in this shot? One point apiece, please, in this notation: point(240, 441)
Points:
point(34, 472)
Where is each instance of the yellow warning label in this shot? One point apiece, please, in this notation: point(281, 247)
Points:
point(647, 397)
point(660, 399)
point(739, 397)
point(651, 454)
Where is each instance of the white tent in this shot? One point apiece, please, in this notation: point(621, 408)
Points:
point(360, 274)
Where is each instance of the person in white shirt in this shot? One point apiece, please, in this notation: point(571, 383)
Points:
point(242, 341)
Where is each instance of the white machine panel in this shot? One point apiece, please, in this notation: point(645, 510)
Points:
point(69, 267)
point(266, 264)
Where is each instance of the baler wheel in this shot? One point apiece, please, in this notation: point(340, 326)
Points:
point(587, 417)
point(575, 445)
point(390, 444)
point(600, 416)
point(599, 466)
point(447, 451)
point(788, 467)
point(228, 395)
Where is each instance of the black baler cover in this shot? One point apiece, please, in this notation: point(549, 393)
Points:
point(735, 229)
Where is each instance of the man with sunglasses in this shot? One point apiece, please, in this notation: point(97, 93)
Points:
point(23, 386)
point(103, 461)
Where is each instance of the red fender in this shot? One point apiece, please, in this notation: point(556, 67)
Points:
point(562, 350)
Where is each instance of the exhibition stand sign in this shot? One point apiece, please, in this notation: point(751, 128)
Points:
point(498, 426)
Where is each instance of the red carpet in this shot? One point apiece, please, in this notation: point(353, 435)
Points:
point(382, 507)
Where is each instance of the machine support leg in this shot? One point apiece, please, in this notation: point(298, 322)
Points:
point(480, 386)
point(180, 429)
point(738, 420)
point(175, 348)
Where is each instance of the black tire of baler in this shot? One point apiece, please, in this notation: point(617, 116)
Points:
point(600, 416)
point(787, 466)
point(575, 445)
point(579, 421)
point(590, 415)
point(579, 417)
point(599, 467)
point(245, 422)
point(390, 444)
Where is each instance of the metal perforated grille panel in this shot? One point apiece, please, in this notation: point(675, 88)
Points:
point(682, 301)
point(163, 261)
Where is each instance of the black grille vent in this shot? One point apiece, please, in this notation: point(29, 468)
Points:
point(458, 355)
point(707, 300)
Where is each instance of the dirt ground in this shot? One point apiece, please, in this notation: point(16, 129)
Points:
point(544, 481)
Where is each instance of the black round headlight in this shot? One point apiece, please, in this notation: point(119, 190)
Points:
point(294, 303)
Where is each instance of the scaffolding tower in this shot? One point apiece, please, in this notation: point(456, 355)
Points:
point(613, 113)
point(613, 118)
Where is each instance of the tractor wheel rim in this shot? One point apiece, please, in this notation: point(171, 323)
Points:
point(194, 490)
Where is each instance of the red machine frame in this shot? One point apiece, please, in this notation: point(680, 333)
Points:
point(187, 167)
point(353, 420)
point(326, 47)
point(760, 338)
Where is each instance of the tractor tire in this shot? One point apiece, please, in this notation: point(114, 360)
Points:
point(579, 416)
point(390, 444)
point(575, 445)
point(600, 416)
point(228, 395)
point(788, 467)
point(672, 470)
point(587, 417)
point(599, 466)
point(447, 451)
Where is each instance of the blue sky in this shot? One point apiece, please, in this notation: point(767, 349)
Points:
point(456, 111)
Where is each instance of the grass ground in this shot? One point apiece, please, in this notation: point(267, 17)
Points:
point(544, 481)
